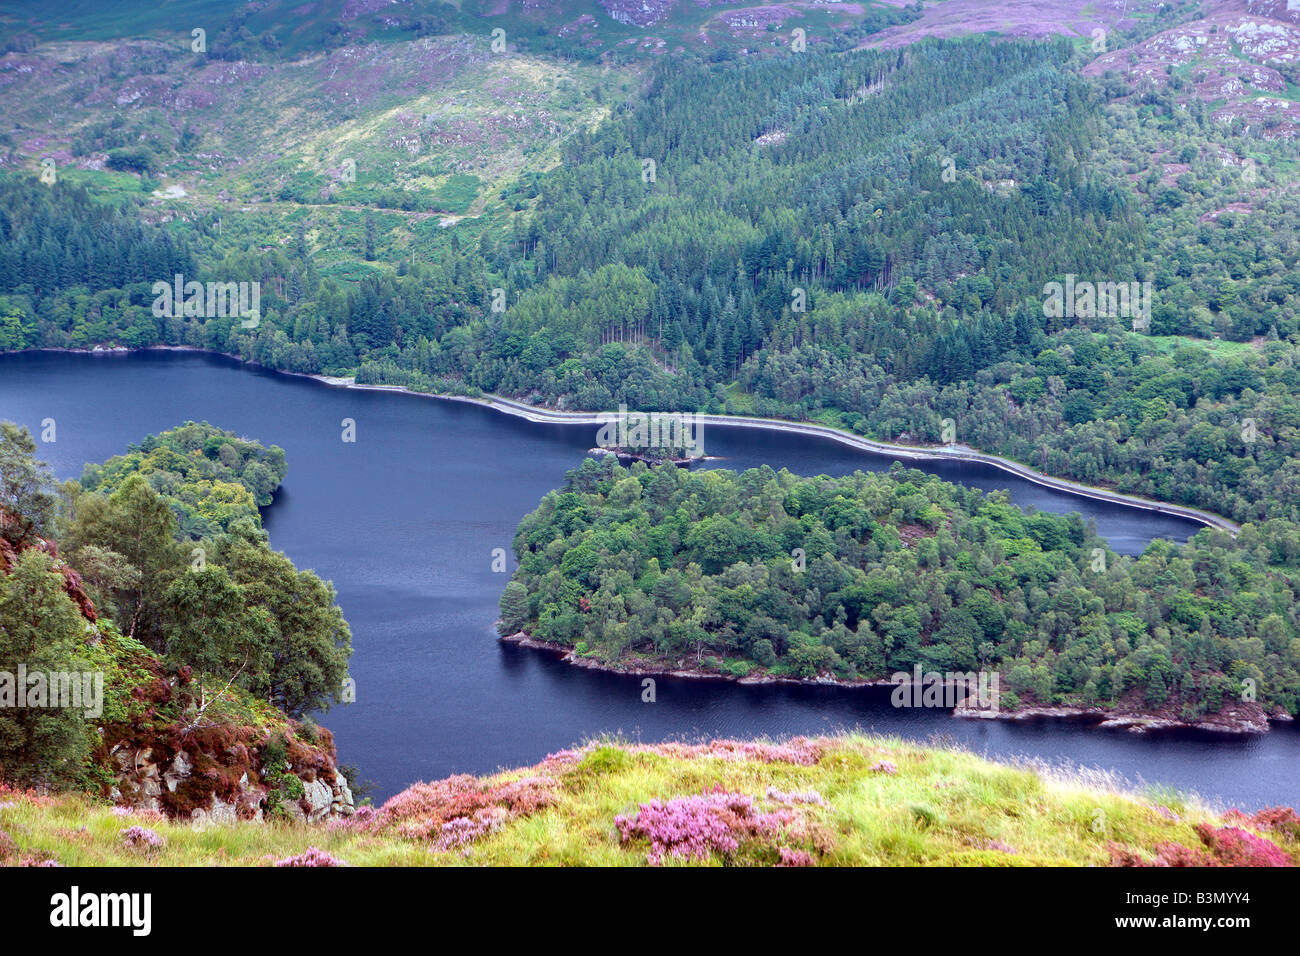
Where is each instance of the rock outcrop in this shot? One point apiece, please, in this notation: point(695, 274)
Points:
point(222, 787)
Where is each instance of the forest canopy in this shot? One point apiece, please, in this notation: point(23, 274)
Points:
point(861, 239)
point(869, 574)
point(210, 477)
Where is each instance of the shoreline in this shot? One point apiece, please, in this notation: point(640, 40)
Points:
point(628, 669)
point(1098, 717)
point(1134, 722)
point(883, 449)
point(545, 416)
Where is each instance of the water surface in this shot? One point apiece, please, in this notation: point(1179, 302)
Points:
point(404, 522)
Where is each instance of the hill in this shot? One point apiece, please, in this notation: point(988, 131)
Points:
point(609, 30)
point(827, 801)
point(166, 660)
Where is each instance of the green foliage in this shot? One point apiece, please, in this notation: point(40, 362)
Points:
point(275, 755)
point(514, 608)
point(208, 644)
point(307, 642)
point(134, 159)
point(978, 584)
point(214, 628)
point(211, 477)
point(40, 630)
point(26, 487)
point(224, 604)
point(822, 173)
point(136, 524)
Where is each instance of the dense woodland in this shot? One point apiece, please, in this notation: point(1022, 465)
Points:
point(861, 239)
point(873, 573)
point(855, 238)
point(203, 595)
point(211, 478)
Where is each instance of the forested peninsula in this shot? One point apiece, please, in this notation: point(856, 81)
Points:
point(860, 241)
point(765, 575)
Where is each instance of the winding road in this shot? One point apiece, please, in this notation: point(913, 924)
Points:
point(909, 452)
point(949, 453)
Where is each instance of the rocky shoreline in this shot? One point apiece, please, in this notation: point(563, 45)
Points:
point(1246, 719)
point(626, 457)
point(649, 669)
point(1243, 721)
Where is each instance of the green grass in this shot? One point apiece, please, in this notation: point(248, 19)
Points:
point(105, 184)
point(1168, 344)
point(458, 193)
point(940, 808)
point(739, 401)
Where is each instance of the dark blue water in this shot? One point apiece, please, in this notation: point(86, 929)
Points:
point(404, 522)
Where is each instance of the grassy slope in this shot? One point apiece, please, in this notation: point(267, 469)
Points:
point(441, 123)
point(941, 807)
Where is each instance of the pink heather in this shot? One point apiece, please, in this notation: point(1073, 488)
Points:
point(797, 750)
point(142, 838)
point(463, 830)
point(696, 826)
point(312, 857)
point(791, 857)
point(1235, 847)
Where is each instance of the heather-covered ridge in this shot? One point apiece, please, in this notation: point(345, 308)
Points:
point(604, 30)
point(850, 800)
point(1237, 60)
point(1022, 19)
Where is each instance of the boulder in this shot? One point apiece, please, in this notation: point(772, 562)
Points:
point(318, 795)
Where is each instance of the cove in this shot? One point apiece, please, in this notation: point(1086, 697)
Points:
point(404, 523)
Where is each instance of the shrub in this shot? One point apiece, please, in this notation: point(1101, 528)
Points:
point(142, 838)
point(695, 827)
point(791, 857)
point(463, 830)
point(1235, 847)
point(1282, 821)
point(312, 857)
point(1226, 846)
